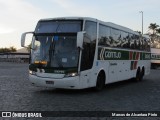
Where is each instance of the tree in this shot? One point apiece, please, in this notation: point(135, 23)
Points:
point(153, 27)
point(12, 49)
point(5, 50)
point(158, 31)
point(154, 35)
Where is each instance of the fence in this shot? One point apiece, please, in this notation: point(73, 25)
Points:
point(14, 57)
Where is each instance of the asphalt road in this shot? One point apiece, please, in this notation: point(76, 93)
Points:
point(17, 94)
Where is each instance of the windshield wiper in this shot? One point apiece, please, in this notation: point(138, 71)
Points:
point(58, 61)
point(52, 55)
point(51, 51)
point(57, 27)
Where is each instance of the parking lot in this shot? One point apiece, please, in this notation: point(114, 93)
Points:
point(17, 94)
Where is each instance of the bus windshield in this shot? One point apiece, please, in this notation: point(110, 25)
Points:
point(54, 45)
point(66, 26)
point(58, 51)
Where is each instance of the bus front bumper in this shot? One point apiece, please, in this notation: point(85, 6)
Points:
point(67, 83)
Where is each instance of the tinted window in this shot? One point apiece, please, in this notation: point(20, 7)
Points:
point(115, 37)
point(132, 41)
point(111, 37)
point(89, 45)
point(125, 41)
point(104, 35)
point(58, 26)
point(146, 44)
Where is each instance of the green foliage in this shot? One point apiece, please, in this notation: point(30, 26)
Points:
point(154, 35)
point(154, 28)
point(158, 31)
point(10, 49)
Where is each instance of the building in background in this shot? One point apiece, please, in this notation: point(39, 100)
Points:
point(21, 55)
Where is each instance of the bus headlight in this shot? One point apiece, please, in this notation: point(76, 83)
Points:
point(32, 72)
point(71, 74)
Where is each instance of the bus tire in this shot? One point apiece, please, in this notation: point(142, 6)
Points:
point(138, 75)
point(100, 81)
point(142, 74)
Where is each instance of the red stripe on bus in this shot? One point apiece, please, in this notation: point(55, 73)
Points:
point(137, 55)
point(135, 64)
point(130, 55)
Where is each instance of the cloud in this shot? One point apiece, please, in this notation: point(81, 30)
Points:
point(76, 8)
point(5, 29)
point(64, 3)
point(17, 16)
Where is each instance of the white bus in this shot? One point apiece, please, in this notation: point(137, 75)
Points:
point(81, 52)
point(155, 52)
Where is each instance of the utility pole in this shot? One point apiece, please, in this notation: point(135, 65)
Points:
point(142, 21)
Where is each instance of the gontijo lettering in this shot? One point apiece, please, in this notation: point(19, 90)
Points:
point(109, 54)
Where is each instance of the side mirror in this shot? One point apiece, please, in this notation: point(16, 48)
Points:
point(80, 36)
point(23, 38)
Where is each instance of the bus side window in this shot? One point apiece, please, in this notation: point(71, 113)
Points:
point(132, 45)
point(104, 33)
point(125, 43)
point(115, 36)
point(137, 39)
point(134, 42)
point(141, 43)
point(148, 45)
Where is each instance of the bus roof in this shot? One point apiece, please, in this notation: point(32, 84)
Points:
point(110, 24)
point(70, 18)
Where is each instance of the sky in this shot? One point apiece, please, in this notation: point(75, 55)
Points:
point(19, 16)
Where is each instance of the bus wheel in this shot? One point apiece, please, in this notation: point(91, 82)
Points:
point(142, 73)
point(100, 81)
point(138, 75)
